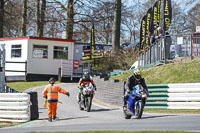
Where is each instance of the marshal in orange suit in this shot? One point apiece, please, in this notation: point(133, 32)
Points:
point(51, 94)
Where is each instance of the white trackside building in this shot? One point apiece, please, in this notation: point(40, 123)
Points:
point(36, 58)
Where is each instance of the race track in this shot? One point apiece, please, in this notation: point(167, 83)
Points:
point(101, 118)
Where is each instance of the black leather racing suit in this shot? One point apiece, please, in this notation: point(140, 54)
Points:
point(131, 81)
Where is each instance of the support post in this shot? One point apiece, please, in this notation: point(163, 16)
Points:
point(59, 74)
point(191, 47)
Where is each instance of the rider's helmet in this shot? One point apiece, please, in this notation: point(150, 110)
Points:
point(86, 75)
point(52, 80)
point(137, 73)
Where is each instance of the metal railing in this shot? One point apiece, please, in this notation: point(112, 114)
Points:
point(158, 51)
point(171, 47)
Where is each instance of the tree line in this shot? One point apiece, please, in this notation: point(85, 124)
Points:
point(115, 21)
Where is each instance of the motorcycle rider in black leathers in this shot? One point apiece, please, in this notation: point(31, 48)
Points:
point(132, 81)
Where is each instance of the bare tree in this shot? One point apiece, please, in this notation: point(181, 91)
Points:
point(12, 18)
point(131, 18)
point(70, 16)
point(38, 17)
point(116, 26)
point(194, 14)
point(42, 23)
point(180, 23)
point(103, 17)
point(1, 17)
point(70, 19)
point(131, 23)
point(24, 18)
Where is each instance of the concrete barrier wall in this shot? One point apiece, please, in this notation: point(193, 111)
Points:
point(162, 96)
point(109, 91)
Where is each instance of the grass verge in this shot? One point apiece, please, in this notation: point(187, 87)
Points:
point(122, 132)
point(7, 124)
point(22, 86)
point(173, 111)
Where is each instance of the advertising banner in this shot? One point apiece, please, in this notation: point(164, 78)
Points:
point(154, 23)
point(92, 47)
point(147, 31)
point(167, 15)
point(142, 34)
point(158, 13)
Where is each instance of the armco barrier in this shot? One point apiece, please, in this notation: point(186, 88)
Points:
point(161, 96)
point(14, 107)
point(184, 96)
point(158, 96)
point(174, 96)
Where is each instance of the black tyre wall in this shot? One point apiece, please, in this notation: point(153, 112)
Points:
point(34, 105)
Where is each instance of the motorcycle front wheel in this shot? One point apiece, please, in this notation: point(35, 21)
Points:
point(139, 110)
point(81, 103)
point(88, 103)
point(126, 115)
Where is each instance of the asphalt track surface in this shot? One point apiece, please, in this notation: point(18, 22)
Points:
point(101, 118)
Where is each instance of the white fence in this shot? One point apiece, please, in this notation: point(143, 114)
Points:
point(14, 107)
point(184, 96)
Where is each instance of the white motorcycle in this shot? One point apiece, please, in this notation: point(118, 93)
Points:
point(86, 97)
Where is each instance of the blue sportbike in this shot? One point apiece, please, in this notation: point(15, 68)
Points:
point(135, 103)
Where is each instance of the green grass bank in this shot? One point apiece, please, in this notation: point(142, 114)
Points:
point(180, 71)
point(22, 86)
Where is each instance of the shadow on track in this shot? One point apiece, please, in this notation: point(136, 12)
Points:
point(70, 118)
point(102, 110)
point(150, 117)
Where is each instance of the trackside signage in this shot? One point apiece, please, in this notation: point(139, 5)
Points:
point(75, 64)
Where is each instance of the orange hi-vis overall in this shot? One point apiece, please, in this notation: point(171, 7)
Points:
point(51, 93)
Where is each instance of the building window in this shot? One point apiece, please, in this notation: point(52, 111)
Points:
point(60, 52)
point(40, 51)
point(16, 51)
